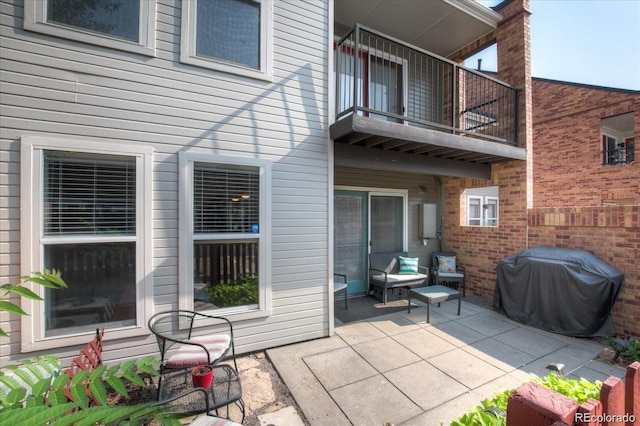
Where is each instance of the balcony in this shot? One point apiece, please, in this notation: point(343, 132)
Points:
point(398, 97)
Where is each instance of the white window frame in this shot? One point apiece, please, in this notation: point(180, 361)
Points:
point(479, 200)
point(188, 44)
point(187, 236)
point(35, 19)
point(32, 257)
point(475, 194)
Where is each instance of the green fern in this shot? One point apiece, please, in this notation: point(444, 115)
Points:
point(49, 279)
point(32, 392)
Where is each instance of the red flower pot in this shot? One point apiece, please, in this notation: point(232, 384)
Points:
point(202, 376)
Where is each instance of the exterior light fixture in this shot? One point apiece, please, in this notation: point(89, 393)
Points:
point(556, 368)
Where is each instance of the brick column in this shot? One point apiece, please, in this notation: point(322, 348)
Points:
point(534, 405)
point(612, 398)
point(632, 393)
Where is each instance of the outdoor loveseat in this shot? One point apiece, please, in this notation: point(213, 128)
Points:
point(395, 270)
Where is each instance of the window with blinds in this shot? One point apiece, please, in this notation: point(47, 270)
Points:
point(225, 199)
point(89, 194)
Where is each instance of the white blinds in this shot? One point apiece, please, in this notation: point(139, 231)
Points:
point(225, 199)
point(89, 194)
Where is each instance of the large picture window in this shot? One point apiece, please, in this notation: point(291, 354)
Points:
point(228, 35)
point(226, 219)
point(119, 24)
point(86, 211)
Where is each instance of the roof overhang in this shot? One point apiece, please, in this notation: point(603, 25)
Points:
point(439, 26)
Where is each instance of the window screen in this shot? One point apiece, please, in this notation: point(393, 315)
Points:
point(117, 18)
point(229, 30)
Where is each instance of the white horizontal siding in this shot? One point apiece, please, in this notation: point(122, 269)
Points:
point(57, 87)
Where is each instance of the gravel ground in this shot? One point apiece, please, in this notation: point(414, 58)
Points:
point(262, 391)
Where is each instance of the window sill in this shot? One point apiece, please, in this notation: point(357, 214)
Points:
point(235, 69)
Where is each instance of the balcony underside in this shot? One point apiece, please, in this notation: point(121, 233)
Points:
point(368, 142)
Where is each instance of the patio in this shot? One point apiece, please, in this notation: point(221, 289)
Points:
point(398, 368)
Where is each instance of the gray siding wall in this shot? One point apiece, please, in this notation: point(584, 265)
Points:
point(53, 86)
point(420, 188)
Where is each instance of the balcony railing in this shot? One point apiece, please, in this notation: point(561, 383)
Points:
point(386, 79)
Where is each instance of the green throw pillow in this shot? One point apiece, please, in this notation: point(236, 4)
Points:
point(408, 265)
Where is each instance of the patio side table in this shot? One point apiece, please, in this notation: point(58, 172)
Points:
point(434, 294)
point(225, 390)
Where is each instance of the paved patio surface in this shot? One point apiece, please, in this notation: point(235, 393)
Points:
point(400, 369)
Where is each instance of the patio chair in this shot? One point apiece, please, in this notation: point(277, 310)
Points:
point(446, 270)
point(174, 330)
point(340, 288)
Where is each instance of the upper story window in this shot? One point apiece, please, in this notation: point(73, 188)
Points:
point(228, 35)
point(224, 222)
point(481, 206)
point(119, 24)
point(618, 144)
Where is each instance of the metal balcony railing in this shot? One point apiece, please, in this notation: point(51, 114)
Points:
point(383, 78)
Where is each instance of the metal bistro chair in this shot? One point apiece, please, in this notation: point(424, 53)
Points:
point(447, 271)
point(174, 330)
point(339, 288)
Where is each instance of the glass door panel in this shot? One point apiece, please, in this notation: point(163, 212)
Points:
point(385, 88)
point(350, 237)
point(387, 223)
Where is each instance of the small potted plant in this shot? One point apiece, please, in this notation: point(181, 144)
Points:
point(202, 376)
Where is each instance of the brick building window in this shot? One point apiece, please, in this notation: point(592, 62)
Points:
point(481, 206)
point(618, 144)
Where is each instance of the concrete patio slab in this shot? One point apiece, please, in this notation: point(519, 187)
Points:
point(374, 401)
point(457, 334)
point(596, 370)
point(359, 332)
point(531, 342)
point(426, 385)
point(469, 370)
point(339, 368)
point(423, 343)
point(487, 324)
point(393, 324)
point(499, 355)
point(401, 369)
point(386, 354)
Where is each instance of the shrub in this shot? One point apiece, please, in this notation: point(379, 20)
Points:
point(33, 392)
point(49, 279)
point(578, 389)
point(242, 291)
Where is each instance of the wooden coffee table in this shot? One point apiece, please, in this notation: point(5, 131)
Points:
point(434, 294)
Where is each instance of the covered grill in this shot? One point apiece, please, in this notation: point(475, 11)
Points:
point(565, 291)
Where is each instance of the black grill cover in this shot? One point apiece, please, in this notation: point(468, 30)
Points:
point(565, 291)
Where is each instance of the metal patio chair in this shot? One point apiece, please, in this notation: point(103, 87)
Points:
point(446, 270)
point(181, 349)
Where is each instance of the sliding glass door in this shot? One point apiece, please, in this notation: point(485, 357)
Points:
point(365, 222)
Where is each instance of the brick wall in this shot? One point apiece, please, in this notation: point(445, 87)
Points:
point(480, 248)
point(567, 147)
point(612, 233)
point(562, 196)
